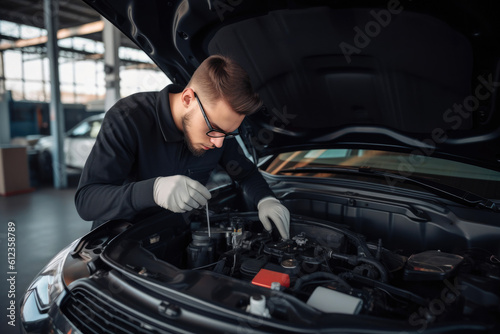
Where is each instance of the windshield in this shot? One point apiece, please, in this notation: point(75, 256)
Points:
point(481, 181)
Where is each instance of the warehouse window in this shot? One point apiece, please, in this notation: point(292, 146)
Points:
point(81, 68)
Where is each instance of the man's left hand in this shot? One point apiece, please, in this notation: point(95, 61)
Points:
point(270, 209)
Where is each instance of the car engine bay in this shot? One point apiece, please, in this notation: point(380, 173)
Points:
point(324, 266)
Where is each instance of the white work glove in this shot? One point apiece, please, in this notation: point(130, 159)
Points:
point(271, 209)
point(180, 193)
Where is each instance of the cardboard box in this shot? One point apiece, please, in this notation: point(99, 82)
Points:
point(14, 171)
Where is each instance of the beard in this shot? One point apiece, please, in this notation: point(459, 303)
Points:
point(197, 152)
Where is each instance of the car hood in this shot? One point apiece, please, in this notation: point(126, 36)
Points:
point(412, 76)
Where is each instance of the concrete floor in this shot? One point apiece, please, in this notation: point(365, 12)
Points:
point(45, 221)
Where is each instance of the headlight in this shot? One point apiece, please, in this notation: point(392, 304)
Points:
point(49, 283)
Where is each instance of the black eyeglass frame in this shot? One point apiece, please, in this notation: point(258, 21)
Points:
point(212, 130)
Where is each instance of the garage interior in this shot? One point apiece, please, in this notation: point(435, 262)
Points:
point(36, 101)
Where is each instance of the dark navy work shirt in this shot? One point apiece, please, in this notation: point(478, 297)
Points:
point(139, 142)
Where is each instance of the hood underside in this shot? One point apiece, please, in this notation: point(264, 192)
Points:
point(413, 76)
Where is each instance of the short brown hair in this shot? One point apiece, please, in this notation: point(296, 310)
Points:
point(221, 77)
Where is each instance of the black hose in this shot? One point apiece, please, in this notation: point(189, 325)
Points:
point(317, 275)
point(383, 272)
point(354, 260)
point(391, 289)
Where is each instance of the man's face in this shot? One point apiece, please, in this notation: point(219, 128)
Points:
point(219, 115)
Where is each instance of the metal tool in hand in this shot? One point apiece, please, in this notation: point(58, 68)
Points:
point(208, 220)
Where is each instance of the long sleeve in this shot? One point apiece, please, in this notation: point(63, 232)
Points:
point(105, 190)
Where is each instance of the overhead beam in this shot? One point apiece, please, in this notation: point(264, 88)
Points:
point(31, 12)
point(79, 9)
point(75, 8)
point(84, 29)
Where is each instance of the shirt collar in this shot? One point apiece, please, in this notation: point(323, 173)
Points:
point(164, 114)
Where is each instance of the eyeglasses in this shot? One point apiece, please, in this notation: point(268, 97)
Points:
point(213, 132)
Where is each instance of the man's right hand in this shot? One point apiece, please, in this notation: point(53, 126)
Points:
point(180, 193)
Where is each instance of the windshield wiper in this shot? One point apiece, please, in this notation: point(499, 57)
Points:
point(458, 195)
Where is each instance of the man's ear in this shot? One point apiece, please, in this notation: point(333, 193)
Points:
point(187, 97)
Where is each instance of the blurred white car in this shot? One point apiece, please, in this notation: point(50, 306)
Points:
point(78, 143)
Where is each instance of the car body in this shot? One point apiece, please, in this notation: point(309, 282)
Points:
point(78, 143)
point(380, 134)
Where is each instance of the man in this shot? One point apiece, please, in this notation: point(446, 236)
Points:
point(157, 149)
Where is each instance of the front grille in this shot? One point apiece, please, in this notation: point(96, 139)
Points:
point(92, 314)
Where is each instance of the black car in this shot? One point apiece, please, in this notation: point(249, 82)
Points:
point(380, 132)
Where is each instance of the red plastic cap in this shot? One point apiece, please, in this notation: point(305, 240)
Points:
point(265, 277)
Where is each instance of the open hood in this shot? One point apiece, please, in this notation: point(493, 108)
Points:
point(413, 76)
